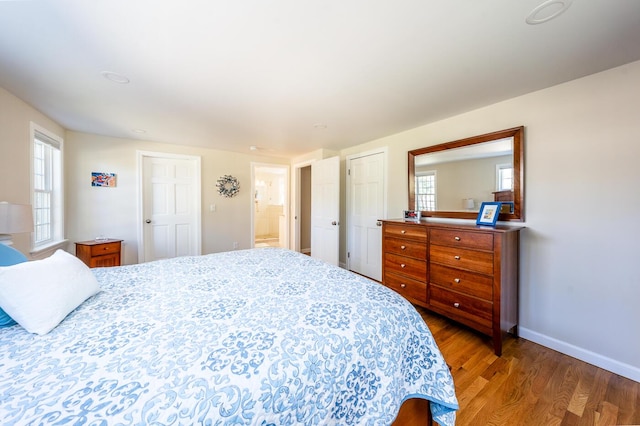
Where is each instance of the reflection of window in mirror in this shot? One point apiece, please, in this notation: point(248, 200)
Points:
point(504, 177)
point(426, 191)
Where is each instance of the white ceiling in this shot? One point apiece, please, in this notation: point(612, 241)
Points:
point(231, 74)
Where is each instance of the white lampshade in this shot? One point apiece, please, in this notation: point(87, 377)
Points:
point(14, 219)
point(469, 203)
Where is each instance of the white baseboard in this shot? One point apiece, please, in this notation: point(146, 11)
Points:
point(617, 367)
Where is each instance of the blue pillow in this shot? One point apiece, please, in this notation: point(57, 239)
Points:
point(9, 256)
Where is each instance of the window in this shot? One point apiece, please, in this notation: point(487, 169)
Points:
point(47, 189)
point(504, 177)
point(426, 191)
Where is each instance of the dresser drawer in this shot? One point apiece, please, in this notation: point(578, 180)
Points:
point(405, 231)
point(407, 248)
point(107, 248)
point(470, 283)
point(407, 266)
point(406, 286)
point(464, 239)
point(471, 260)
point(475, 312)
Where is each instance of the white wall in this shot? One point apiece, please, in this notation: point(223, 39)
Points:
point(15, 153)
point(579, 286)
point(112, 212)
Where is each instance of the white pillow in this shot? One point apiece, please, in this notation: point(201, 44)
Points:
point(41, 293)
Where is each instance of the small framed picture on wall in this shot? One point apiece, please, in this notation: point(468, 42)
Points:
point(103, 179)
point(488, 214)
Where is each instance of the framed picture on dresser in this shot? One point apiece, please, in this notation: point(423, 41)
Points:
point(412, 215)
point(488, 214)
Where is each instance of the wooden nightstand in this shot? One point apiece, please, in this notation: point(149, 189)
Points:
point(99, 253)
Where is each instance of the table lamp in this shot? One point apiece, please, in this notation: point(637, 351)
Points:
point(14, 219)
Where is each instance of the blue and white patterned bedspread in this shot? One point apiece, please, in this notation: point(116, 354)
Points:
point(251, 337)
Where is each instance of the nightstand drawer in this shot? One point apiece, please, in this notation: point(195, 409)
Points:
point(471, 260)
point(470, 283)
point(105, 261)
point(406, 266)
point(407, 248)
point(464, 239)
point(406, 286)
point(107, 248)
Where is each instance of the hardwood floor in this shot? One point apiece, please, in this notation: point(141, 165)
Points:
point(529, 384)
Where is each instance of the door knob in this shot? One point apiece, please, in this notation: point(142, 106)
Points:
point(378, 223)
point(334, 223)
point(148, 221)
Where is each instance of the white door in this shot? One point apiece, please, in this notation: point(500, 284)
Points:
point(170, 207)
point(365, 207)
point(325, 210)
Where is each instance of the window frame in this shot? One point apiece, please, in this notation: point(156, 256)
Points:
point(499, 169)
point(54, 172)
point(435, 189)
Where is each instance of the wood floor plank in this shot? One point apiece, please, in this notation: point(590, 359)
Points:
point(596, 395)
point(607, 415)
point(571, 419)
point(529, 384)
point(565, 391)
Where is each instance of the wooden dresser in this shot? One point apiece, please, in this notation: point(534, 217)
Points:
point(99, 253)
point(467, 273)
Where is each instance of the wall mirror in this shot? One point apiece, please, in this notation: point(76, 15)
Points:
point(453, 179)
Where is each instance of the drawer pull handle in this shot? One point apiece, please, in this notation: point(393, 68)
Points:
point(457, 280)
point(403, 247)
point(456, 257)
point(402, 265)
point(403, 285)
point(456, 238)
point(456, 305)
point(403, 232)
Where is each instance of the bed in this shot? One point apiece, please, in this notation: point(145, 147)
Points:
point(263, 336)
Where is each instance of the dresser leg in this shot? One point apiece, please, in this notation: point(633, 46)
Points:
point(497, 344)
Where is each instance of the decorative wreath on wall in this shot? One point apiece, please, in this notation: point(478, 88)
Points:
point(228, 186)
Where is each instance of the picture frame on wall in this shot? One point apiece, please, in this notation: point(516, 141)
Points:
point(488, 214)
point(103, 179)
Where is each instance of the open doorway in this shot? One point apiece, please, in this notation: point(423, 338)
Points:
point(301, 230)
point(305, 210)
point(270, 187)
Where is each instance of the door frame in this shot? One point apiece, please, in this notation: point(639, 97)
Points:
point(196, 202)
point(287, 198)
point(296, 205)
point(385, 180)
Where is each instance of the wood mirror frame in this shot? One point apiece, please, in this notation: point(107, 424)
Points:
point(517, 133)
